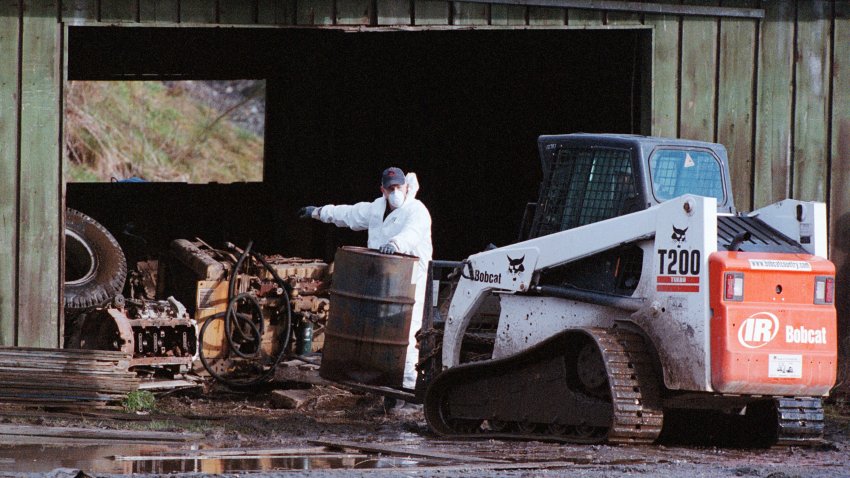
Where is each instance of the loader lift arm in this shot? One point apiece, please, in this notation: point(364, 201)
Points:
point(500, 269)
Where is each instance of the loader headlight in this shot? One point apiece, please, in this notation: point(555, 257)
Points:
point(824, 290)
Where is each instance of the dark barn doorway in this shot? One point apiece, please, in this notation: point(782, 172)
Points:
point(461, 108)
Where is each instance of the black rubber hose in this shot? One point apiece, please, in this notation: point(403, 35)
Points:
point(229, 381)
point(230, 317)
point(235, 322)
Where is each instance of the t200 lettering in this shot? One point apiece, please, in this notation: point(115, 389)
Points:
point(681, 262)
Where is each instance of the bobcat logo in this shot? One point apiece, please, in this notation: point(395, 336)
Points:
point(515, 265)
point(679, 234)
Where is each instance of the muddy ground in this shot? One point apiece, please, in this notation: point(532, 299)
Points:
point(224, 420)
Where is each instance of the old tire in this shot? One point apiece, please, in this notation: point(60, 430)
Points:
point(95, 267)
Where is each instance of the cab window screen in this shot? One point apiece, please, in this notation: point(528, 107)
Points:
point(583, 186)
point(677, 172)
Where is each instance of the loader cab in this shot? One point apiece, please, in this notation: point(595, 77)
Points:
point(592, 177)
point(589, 178)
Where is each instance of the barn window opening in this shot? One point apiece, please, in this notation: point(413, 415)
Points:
point(165, 131)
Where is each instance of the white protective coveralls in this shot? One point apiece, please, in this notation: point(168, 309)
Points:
point(409, 228)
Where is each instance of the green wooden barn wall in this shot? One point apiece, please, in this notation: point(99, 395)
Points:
point(773, 90)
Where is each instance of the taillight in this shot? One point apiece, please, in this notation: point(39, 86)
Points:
point(734, 286)
point(824, 290)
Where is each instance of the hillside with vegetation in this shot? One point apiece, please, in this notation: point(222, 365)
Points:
point(183, 131)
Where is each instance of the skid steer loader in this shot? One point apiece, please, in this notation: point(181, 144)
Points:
point(640, 291)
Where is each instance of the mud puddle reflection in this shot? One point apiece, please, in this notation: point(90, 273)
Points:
point(142, 458)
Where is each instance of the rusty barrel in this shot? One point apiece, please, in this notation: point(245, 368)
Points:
point(369, 320)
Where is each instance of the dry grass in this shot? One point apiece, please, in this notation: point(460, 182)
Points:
point(146, 129)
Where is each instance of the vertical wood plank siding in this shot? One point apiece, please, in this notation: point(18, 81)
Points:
point(812, 92)
point(699, 70)
point(9, 137)
point(735, 101)
point(775, 103)
point(118, 11)
point(359, 12)
point(162, 11)
point(40, 177)
point(507, 15)
point(839, 199)
point(665, 74)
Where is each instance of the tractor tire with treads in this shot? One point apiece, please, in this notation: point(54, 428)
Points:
point(95, 266)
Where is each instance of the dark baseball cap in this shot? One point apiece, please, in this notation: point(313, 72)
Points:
point(391, 177)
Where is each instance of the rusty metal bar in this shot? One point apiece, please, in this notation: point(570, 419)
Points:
point(636, 7)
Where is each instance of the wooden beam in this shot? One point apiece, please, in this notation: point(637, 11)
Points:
point(376, 448)
point(839, 198)
point(162, 11)
point(813, 72)
point(134, 436)
point(665, 88)
point(698, 70)
point(774, 100)
point(635, 7)
point(39, 281)
point(9, 164)
point(735, 102)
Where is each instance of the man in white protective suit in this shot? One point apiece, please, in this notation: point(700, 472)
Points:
point(397, 222)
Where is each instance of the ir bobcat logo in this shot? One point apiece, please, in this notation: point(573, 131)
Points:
point(515, 265)
point(679, 234)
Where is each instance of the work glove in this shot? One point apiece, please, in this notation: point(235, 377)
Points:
point(388, 248)
point(309, 212)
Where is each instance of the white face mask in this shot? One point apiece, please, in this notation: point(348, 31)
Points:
point(396, 198)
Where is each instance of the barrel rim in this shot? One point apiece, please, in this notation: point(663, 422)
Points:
point(373, 252)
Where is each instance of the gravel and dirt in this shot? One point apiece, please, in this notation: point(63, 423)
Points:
point(250, 424)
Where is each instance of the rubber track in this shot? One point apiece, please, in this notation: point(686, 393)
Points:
point(636, 402)
point(800, 421)
point(635, 396)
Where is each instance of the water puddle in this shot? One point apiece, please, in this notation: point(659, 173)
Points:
point(140, 458)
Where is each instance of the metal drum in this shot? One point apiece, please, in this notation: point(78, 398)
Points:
point(371, 305)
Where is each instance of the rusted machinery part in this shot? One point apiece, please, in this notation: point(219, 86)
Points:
point(154, 333)
point(235, 371)
point(542, 394)
point(95, 266)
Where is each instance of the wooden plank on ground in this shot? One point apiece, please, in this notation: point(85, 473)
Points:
point(584, 17)
point(665, 75)
point(811, 93)
point(699, 63)
point(40, 178)
point(735, 100)
point(198, 11)
point(774, 104)
point(431, 12)
point(9, 113)
point(547, 17)
point(119, 11)
point(359, 12)
point(377, 448)
point(98, 434)
point(315, 12)
point(393, 12)
point(507, 15)
point(237, 12)
point(465, 13)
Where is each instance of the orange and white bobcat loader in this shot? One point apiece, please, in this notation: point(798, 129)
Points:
point(640, 291)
